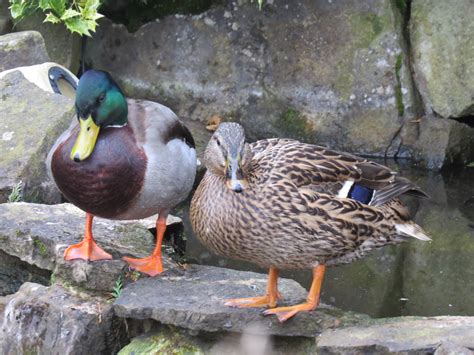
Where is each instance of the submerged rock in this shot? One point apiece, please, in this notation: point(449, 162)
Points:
point(442, 42)
point(39, 234)
point(32, 119)
point(50, 320)
point(194, 299)
point(22, 48)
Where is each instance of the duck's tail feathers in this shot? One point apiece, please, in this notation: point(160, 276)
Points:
point(413, 230)
point(393, 190)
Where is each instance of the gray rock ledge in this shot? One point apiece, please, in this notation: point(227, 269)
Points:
point(194, 300)
point(38, 235)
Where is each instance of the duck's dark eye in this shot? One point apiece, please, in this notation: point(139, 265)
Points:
point(218, 142)
point(102, 97)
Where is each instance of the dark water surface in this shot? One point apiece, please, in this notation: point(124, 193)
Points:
point(414, 278)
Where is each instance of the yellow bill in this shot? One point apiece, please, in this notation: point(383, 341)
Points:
point(86, 139)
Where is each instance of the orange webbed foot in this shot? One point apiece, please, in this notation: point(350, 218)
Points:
point(285, 313)
point(269, 301)
point(312, 301)
point(86, 250)
point(151, 265)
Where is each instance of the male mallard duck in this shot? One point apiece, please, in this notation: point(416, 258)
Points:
point(283, 204)
point(126, 159)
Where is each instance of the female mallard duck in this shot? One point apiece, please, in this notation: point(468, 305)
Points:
point(283, 204)
point(126, 159)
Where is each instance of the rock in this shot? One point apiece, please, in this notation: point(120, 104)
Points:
point(398, 335)
point(5, 17)
point(327, 72)
point(22, 48)
point(194, 300)
point(15, 272)
point(32, 119)
point(62, 46)
point(443, 52)
point(167, 339)
point(443, 142)
point(48, 320)
point(449, 348)
point(42, 232)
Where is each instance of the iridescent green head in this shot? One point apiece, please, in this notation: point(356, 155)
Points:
point(100, 103)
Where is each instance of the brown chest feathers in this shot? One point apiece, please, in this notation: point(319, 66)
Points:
point(108, 181)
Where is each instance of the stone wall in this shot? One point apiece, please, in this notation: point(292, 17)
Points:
point(336, 73)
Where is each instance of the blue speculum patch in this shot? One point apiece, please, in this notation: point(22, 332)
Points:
point(361, 193)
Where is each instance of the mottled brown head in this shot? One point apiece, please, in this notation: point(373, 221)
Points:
point(228, 155)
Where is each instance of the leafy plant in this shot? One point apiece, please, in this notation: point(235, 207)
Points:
point(78, 16)
point(17, 193)
point(470, 165)
point(118, 288)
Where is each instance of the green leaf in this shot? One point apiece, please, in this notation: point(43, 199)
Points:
point(70, 13)
point(93, 4)
point(470, 165)
point(78, 25)
point(44, 5)
point(16, 10)
point(58, 6)
point(89, 11)
point(50, 17)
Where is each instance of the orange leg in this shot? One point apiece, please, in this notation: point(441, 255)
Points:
point(284, 313)
point(269, 300)
point(153, 264)
point(87, 249)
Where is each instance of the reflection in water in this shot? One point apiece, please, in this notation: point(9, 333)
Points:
point(415, 278)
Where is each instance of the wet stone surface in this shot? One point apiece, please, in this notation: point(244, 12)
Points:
point(194, 299)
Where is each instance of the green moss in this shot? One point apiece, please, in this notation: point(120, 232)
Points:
point(293, 124)
point(52, 279)
point(398, 86)
point(162, 343)
point(366, 27)
point(41, 247)
point(401, 5)
point(345, 79)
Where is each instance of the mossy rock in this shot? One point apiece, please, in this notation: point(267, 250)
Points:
point(168, 341)
point(441, 34)
point(32, 119)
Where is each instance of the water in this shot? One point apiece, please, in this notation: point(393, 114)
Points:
point(414, 278)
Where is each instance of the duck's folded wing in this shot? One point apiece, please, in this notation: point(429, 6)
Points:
point(308, 165)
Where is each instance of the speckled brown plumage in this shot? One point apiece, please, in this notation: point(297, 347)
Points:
point(289, 216)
